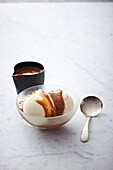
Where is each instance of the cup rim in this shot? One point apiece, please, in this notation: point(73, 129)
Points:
point(54, 117)
point(42, 70)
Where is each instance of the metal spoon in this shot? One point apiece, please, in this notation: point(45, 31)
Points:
point(91, 106)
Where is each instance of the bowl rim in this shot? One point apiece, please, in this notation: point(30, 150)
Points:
point(54, 117)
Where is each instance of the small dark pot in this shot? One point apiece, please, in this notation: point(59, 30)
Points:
point(25, 81)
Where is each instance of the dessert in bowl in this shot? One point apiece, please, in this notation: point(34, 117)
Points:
point(47, 106)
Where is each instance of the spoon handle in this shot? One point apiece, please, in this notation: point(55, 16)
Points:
point(84, 135)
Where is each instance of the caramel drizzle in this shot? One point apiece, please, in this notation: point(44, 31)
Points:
point(58, 100)
point(48, 113)
point(20, 105)
point(53, 109)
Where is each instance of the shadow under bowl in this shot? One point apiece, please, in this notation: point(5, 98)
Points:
point(48, 122)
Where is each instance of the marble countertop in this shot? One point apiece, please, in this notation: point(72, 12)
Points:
point(74, 41)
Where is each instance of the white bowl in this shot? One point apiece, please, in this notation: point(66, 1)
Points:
point(48, 122)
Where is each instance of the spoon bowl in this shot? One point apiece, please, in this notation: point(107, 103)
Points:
point(91, 106)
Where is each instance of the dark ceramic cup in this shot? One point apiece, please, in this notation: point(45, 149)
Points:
point(23, 81)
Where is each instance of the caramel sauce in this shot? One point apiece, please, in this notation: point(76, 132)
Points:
point(20, 105)
point(53, 108)
point(58, 100)
point(43, 103)
point(27, 71)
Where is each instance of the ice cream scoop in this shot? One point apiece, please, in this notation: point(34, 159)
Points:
point(38, 103)
point(69, 104)
point(43, 104)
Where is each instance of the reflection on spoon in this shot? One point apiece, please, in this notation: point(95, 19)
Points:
point(90, 106)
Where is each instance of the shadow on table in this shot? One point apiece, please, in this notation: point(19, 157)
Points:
point(58, 135)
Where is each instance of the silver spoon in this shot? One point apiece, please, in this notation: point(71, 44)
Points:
point(91, 106)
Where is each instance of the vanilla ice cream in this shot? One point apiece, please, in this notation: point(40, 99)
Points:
point(69, 104)
point(43, 104)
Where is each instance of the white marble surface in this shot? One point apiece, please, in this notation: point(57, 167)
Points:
point(75, 43)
